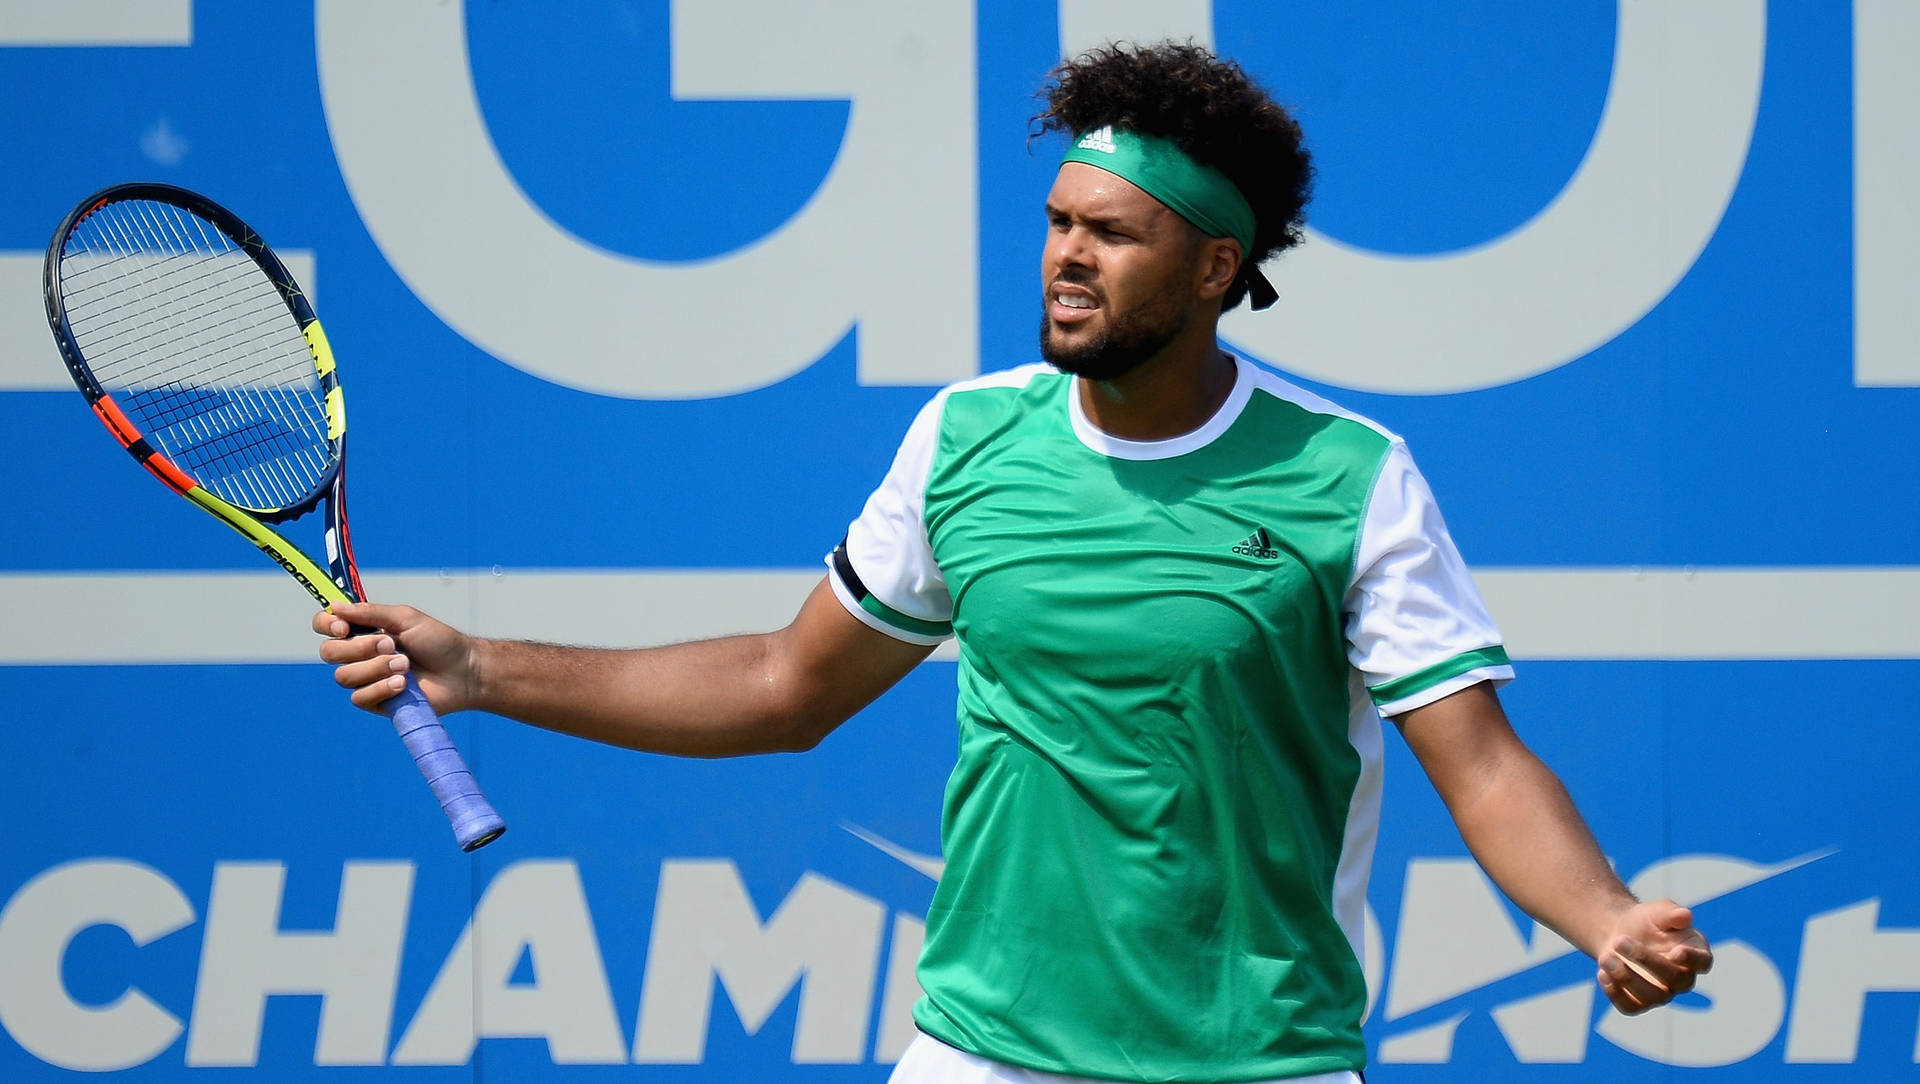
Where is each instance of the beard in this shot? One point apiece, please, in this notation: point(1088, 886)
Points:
point(1126, 342)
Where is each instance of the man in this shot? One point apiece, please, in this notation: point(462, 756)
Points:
point(1184, 593)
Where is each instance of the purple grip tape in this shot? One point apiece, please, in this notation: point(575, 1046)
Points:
point(475, 824)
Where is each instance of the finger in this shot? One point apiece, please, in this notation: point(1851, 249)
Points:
point(1677, 978)
point(1640, 989)
point(373, 615)
point(1646, 975)
point(1693, 941)
point(338, 652)
point(342, 620)
point(1670, 969)
point(371, 672)
point(1694, 959)
point(1618, 995)
point(353, 612)
point(372, 696)
point(356, 649)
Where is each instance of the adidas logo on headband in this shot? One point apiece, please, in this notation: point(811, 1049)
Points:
point(1100, 139)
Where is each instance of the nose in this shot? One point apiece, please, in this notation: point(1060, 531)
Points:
point(1068, 247)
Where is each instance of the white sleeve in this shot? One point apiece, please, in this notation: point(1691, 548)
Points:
point(884, 572)
point(1416, 627)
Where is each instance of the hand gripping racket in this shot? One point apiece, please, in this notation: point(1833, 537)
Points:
point(194, 345)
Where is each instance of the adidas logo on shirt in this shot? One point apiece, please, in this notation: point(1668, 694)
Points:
point(1259, 545)
point(1100, 139)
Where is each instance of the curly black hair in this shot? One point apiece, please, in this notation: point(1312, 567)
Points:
point(1211, 109)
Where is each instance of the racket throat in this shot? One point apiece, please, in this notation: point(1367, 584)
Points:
point(340, 561)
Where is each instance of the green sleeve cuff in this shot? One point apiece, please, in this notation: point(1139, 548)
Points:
point(1401, 688)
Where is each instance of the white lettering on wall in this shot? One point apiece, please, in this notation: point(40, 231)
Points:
point(36, 927)
point(820, 951)
point(536, 907)
point(402, 111)
point(824, 938)
point(1886, 168)
point(1844, 956)
point(1455, 935)
point(1649, 194)
point(246, 958)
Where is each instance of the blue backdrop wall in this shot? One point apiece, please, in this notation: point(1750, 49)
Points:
point(635, 300)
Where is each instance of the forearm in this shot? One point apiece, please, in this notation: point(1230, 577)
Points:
point(709, 699)
point(1526, 833)
point(1522, 827)
point(778, 691)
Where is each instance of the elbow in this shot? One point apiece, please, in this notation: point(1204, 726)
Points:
point(796, 710)
point(800, 732)
point(799, 704)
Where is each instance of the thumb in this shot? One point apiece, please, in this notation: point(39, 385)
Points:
point(354, 613)
point(373, 615)
point(1674, 917)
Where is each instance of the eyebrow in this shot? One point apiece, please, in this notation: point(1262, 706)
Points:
point(1102, 219)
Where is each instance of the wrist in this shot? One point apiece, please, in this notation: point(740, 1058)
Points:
point(476, 669)
point(1610, 916)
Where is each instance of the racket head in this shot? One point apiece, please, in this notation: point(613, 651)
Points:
point(196, 347)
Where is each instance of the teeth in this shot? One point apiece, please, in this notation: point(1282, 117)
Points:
point(1075, 301)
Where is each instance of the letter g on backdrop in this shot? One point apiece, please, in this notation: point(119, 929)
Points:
point(1636, 214)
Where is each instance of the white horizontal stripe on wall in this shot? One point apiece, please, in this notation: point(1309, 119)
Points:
point(1558, 613)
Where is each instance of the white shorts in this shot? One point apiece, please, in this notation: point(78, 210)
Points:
point(930, 1061)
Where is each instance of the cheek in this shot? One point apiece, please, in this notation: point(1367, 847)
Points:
point(1133, 281)
point(1172, 282)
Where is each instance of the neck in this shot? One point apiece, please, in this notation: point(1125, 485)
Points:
point(1170, 394)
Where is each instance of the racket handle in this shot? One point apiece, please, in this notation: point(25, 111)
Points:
point(475, 824)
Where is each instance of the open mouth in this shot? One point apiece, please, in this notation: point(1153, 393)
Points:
point(1069, 303)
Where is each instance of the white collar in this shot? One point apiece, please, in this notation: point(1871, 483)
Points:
point(1121, 448)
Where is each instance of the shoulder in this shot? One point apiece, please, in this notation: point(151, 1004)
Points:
point(1006, 384)
point(973, 402)
point(1296, 421)
point(1276, 389)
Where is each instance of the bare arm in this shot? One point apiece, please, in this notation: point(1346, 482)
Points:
point(1523, 829)
point(770, 692)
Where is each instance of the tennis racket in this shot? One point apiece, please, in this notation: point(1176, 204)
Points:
point(203, 358)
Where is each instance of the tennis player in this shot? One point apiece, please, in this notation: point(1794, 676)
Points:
point(1185, 593)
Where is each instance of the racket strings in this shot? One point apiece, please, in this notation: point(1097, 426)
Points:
point(199, 349)
point(158, 342)
point(222, 289)
point(207, 436)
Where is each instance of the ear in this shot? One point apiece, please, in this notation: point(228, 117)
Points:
point(1218, 264)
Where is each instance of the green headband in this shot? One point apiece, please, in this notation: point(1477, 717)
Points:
point(1193, 190)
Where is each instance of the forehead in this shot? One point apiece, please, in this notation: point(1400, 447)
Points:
point(1081, 189)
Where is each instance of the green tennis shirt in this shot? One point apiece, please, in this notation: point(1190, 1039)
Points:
point(1174, 657)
